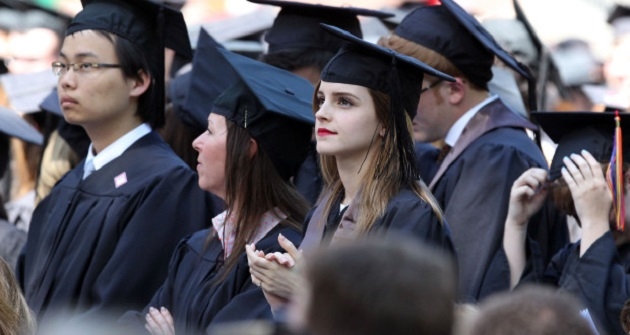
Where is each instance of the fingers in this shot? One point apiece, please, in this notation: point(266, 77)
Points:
point(594, 165)
point(160, 322)
point(289, 247)
point(281, 258)
point(533, 178)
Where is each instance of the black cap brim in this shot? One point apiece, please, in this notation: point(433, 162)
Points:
point(482, 35)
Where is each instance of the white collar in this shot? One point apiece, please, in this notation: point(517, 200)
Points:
point(117, 148)
point(458, 127)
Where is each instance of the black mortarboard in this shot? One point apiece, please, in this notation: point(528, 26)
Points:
point(619, 19)
point(152, 26)
point(370, 65)
point(577, 131)
point(13, 125)
point(453, 33)
point(194, 92)
point(297, 25)
point(274, 106)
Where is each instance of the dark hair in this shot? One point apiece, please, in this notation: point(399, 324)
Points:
point(179, 135)
point(133, 60)
point(255, 184)
point(292, 60)
point(531, 310)
point(393, 285)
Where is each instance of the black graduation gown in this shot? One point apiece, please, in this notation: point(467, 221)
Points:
point(405, 214)
point(426, 160)
point(308, 180)
point(189, 294)
point(473, 187)
point(93, 247)
point(601, 278)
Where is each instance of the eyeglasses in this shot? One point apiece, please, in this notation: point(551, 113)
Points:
point(60, 68)
point(431, 86)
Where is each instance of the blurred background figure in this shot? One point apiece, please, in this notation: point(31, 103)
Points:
point(410, 290)
point(532, 310)
point(617, 64)
point(15, 316)
point(12, 236)
point(33, 39)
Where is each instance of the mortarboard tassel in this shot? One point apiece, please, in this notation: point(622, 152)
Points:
point(614, 176)
point(405, 152)
point(160, 90)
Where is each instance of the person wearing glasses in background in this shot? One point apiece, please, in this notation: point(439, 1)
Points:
point(487, 147)
point(100, 243)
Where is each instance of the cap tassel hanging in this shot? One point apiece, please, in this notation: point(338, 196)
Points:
point(160, 88)
point(404, 144)
point(614, 176)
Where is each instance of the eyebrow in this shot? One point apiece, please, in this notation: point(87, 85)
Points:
point(80, 55)
point(336, 94)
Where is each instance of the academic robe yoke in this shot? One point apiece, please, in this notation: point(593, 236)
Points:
point(473, 186)
point(93, 247)
point(405, 214)
point(195, 301)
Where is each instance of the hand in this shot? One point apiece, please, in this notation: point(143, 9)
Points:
point(275, 273)
point(160, 322)
point(589, 190)
point(526, 197)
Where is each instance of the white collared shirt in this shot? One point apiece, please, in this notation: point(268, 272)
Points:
point(117, 148)
point(458, 127)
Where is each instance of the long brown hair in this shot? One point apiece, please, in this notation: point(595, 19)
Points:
point(15, 316)
point(253, 183)
point(383, 178)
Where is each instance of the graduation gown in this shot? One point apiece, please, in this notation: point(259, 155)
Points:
point(195, 301)
point(308, 180)
point(473, 183)
point(405, 214)
point(600, 278)
point(93, 247)
point(426, 160)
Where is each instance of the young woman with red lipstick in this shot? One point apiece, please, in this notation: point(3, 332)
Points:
point(363, 108)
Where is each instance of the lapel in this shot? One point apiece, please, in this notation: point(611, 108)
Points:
point(493, 115)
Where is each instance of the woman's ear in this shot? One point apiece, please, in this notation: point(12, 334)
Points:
point(381, 130)
point(139, 86)
point(253, 148)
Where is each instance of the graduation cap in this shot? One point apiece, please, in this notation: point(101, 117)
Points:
point(273, 105)
point(25, 91)
point(619, 19)
point(13, 125)
point(297, 24)
point(370, 65)
point(143, 23)
point(194, 92)
point(577, 131)
point(600, 134)
point(403, 10)
point(453, 33)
